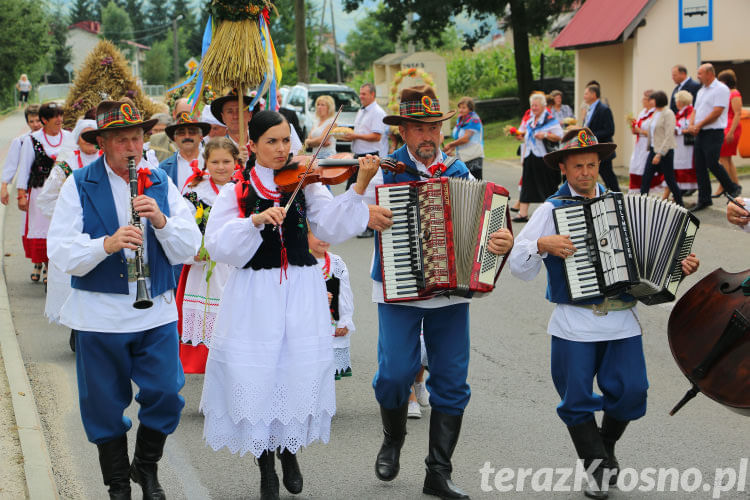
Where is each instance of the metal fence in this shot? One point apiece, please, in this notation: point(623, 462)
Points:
point(154, 90)
point(59, 91)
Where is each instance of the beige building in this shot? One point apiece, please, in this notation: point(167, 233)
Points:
point(630, 46)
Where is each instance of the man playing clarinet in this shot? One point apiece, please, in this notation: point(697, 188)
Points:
point(594, 337)
point(445, 319)
point(91, 237)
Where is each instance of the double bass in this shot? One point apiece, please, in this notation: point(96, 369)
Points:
point(709, 335)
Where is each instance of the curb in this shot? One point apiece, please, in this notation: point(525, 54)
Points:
point(40, 480)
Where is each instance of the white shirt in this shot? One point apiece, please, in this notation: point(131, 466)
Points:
point(27, 153)
point(184, 170)
point(11, 161)
point(377, 286)
point(568, 321)
point(369, 119)
point(708, 98)
point(78, 254)
point(233, 240)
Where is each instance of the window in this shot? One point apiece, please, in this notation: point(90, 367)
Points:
point(297, 98)
point(347, 98)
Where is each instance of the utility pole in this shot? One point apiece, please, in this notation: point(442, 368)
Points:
point(176, 49)
point(335, 45)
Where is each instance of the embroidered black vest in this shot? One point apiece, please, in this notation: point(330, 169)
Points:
point(294, 230)
point(42, 165)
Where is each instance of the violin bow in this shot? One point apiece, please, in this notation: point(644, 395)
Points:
point(312, 160)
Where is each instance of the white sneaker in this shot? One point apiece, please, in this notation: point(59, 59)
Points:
point(414, 410)
point(423, 396)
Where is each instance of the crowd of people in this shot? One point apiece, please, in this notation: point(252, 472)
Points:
point(244, 289)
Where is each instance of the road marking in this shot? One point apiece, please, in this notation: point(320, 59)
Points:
point(185, 472)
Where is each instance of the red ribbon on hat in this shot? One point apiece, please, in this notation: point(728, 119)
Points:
point(144, 179)
point(197, 173)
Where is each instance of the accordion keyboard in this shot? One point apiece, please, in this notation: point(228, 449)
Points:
point(580, 269)
point(401, 252)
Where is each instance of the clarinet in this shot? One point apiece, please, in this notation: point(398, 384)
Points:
point(142, 299)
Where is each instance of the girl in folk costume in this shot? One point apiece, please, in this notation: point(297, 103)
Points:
point(74, 155)
point(202, 280)
point(269, 382)
point(684, 169)
point(340, 300)
point(639, 126)
point(37, 159)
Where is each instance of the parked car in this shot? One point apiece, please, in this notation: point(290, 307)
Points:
point(301, 99)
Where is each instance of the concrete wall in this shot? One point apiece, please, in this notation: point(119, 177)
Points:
point(82, 42)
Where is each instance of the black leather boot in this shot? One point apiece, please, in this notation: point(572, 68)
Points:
point(292, 475)
point(72, 340)
point(149, 447)
point(269, 481)
point(114, 462)
point(589, 446)
point(444, 431)
point(394, 433)
point(611, 431)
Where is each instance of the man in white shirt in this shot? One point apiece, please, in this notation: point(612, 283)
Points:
point(707, 123)
point(368, 137)
point(187, 135)
point(591, 338)
point(91, 237)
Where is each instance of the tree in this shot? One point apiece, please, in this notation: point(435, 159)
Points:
point(369, 40)
point(81, 10)
point(300, 40)
point(158, 22)
point(526, 18)
point(62, 52)
point(116, 25)
point(25, 42)
point(134, 8)
point(157, 69)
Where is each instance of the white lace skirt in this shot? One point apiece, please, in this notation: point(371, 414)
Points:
point(200, 304)
point(269, 379)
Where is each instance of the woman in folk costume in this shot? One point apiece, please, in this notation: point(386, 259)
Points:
point(74, 155)
point(639, 127)
point(269, 382)
point(340, 300)
point(202, 281)
point(684, 169)
point(37, 159)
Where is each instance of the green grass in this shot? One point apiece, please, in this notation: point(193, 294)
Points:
point(497, 145)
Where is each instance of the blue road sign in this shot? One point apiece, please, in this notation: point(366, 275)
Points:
point(696, 18)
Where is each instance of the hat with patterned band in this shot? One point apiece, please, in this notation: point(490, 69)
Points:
point(184, 121)
point(576, 141)
point(116, 115)
point(217, 105)
point(418, 104)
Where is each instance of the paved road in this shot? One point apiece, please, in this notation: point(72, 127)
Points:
point(510, 422)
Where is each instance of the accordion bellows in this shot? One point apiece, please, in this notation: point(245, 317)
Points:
point(626, 243)
point(438, 241)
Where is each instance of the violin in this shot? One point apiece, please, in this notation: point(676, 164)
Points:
point(330, 171)
point(709, 335)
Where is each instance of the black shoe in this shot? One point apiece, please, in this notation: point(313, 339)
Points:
point(394, 433)
point(718, 195)
point(149, 447)
point(367, 233)
point(444, 431)
point(269, 481)
point(520, 218)
point(736, 191)
point(611, 431)
point(72, 340)
point(114, 462)
point(700, 206)
point(292, 475)
point(688, 192)
point(514, 209)
point(590, 447)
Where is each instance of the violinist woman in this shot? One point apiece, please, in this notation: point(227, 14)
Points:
point(269, 385)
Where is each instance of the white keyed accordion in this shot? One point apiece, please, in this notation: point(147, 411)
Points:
point(626, 243)
point(438, 241)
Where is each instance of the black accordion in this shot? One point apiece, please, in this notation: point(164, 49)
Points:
point(626, 243)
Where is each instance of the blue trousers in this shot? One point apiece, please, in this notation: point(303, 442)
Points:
point(106, 363)
point(446, 338)
point(620, 370)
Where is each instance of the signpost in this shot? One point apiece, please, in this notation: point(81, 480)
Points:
point(191, 64)
point(69, 68)
point(696, 22)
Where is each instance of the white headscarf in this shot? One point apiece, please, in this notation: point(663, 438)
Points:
point(81, 125)
point(208, 117)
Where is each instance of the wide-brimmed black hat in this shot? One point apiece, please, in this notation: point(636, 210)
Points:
point(116, 115)
point(217, 105)
point(184, 120)
point(579, 140)
point(418, 104)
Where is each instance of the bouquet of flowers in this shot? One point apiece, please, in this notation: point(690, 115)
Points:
point(510, 130)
